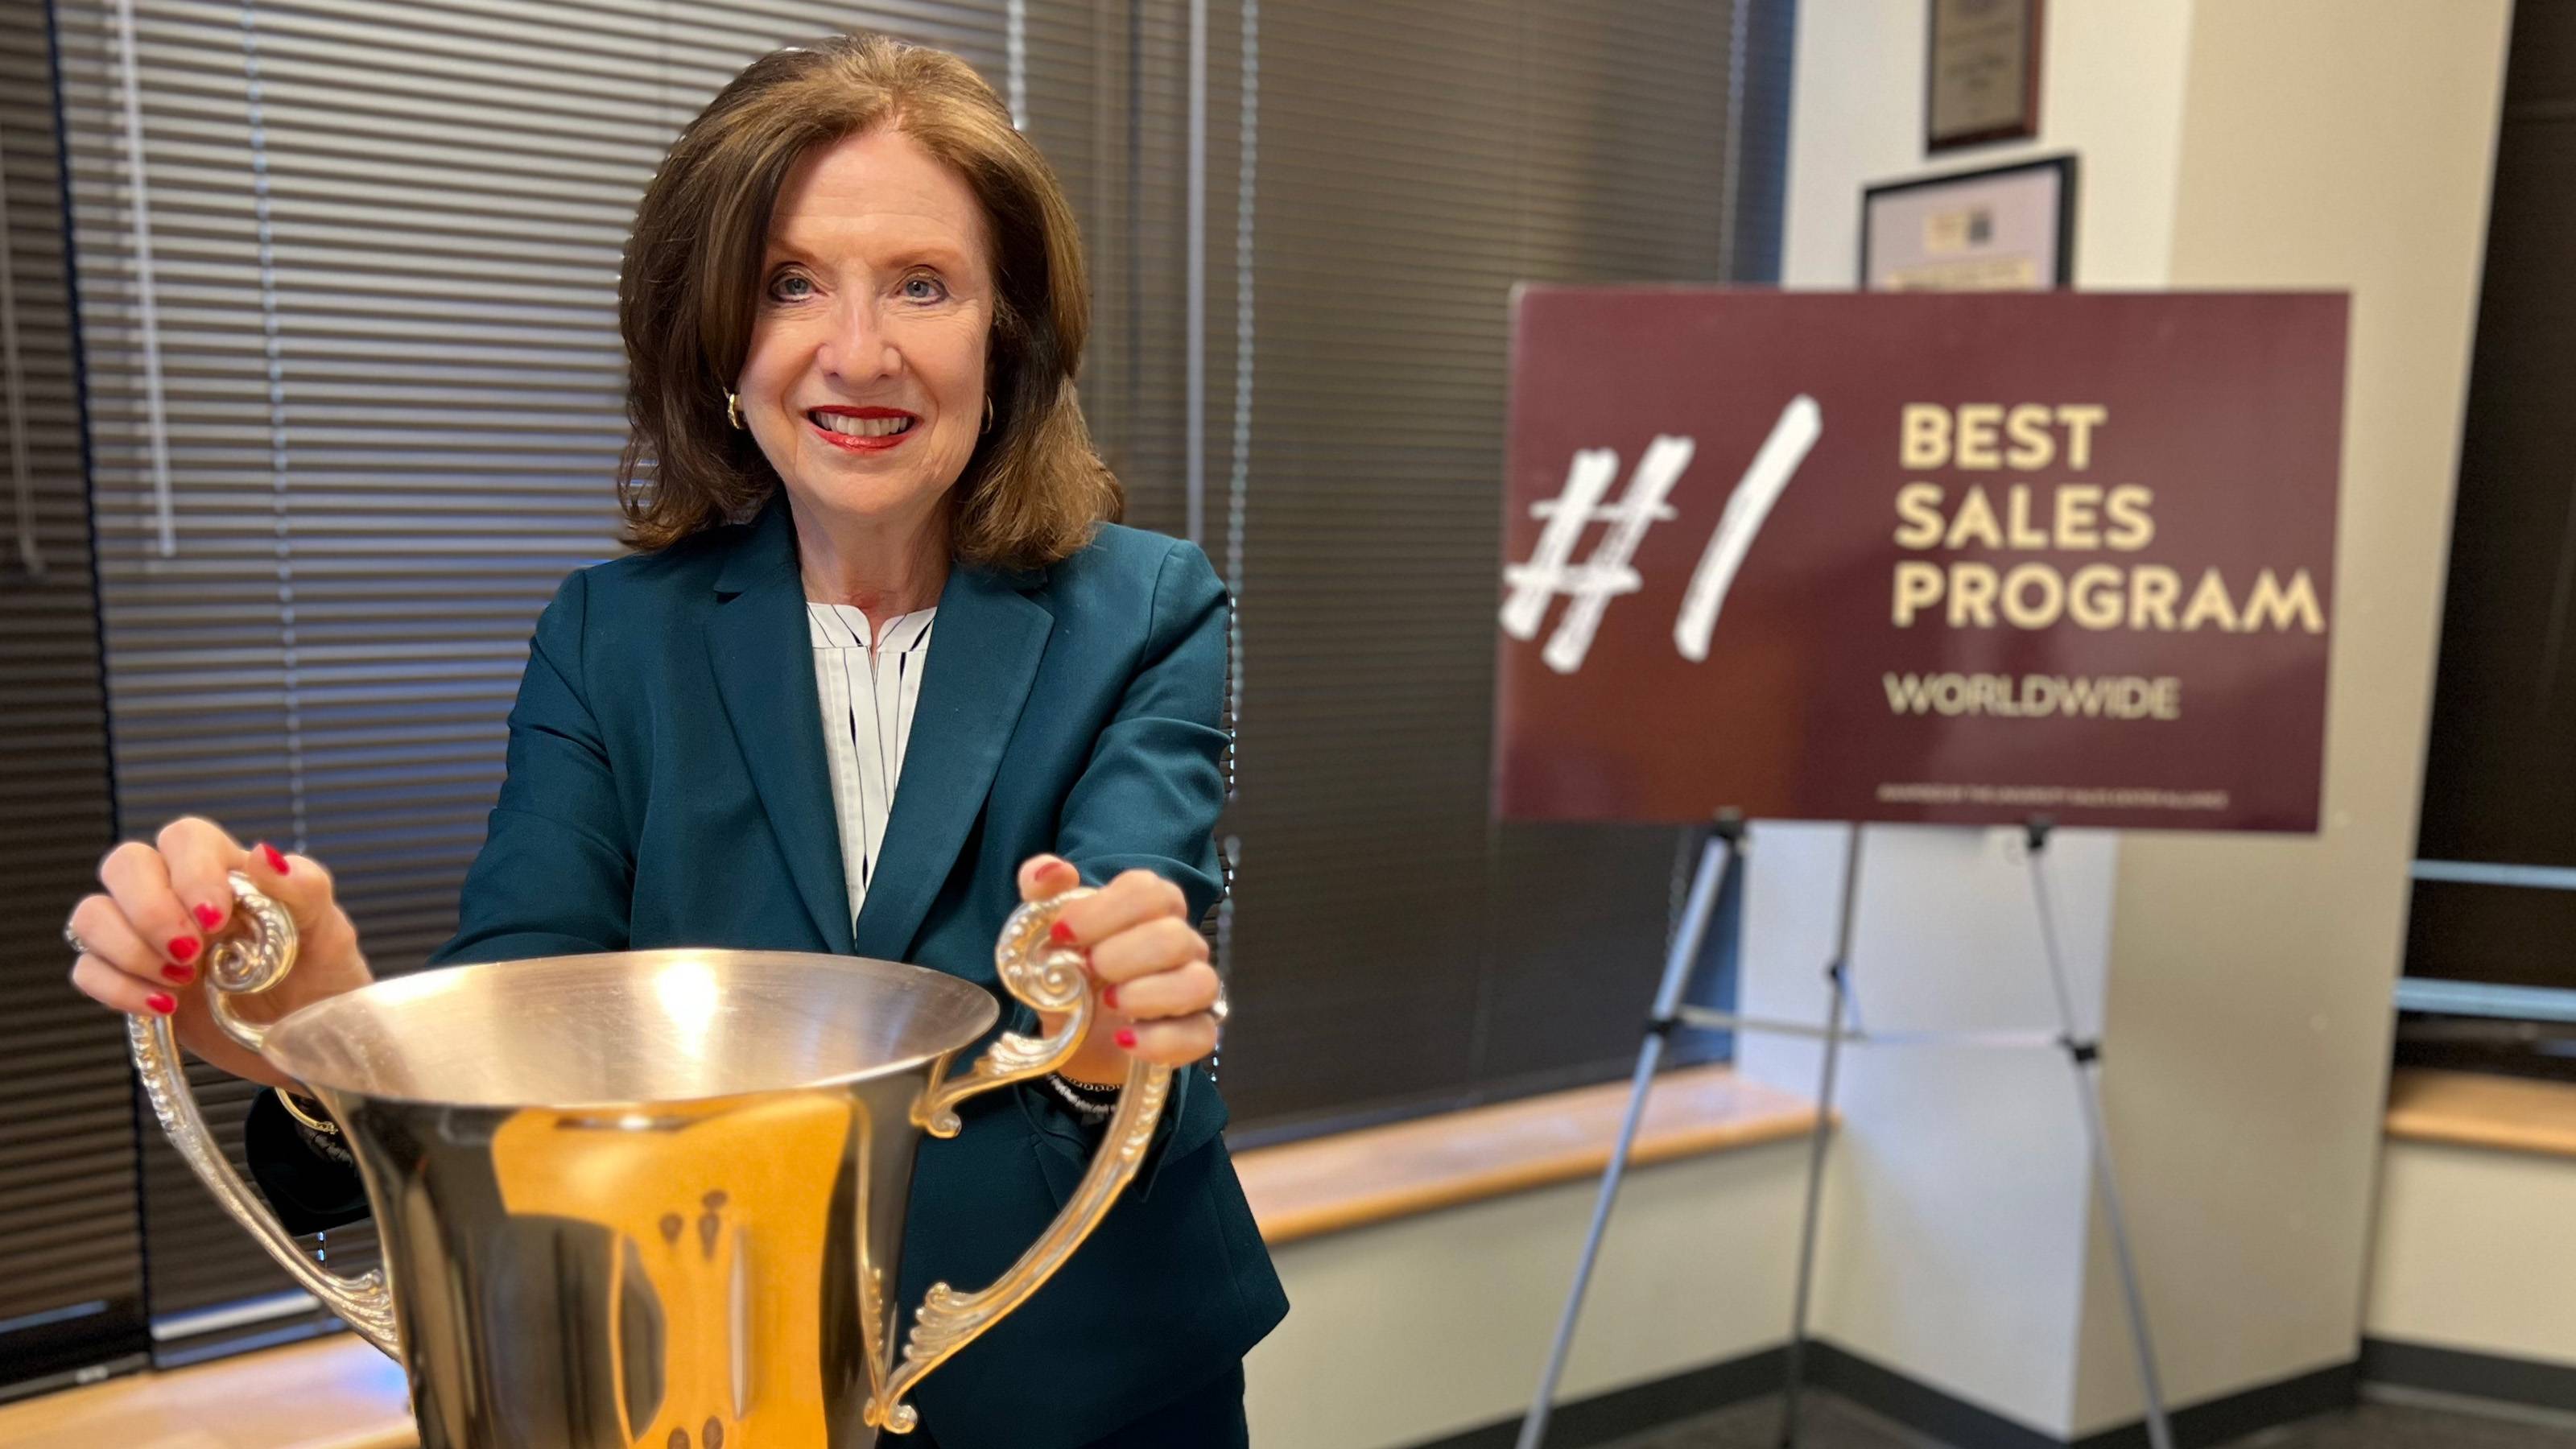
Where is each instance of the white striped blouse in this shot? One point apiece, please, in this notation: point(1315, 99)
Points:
point(868, 699)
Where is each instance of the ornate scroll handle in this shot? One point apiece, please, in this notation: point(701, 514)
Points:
point(1037, 975)
point(1051, 980)
point(254, 961)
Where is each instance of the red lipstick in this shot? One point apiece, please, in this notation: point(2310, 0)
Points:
point(827, 422)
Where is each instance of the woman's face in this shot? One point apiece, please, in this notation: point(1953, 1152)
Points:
point(865, 381)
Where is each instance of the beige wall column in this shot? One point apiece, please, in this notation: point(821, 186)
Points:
point(2325, 143)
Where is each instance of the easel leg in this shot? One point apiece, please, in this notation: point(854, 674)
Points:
point(1721, 854)
point(2085, 1058)
point(1836, 973)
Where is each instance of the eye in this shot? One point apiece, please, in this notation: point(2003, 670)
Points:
point(923, 287)
point(790, 286)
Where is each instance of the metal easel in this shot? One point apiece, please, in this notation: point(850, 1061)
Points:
point(1725, 853)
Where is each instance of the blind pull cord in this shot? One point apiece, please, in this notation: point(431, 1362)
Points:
point(13, 382)
point(139, 206)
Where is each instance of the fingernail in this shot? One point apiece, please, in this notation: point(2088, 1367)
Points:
point(1126, 1038)
point(1060, 933)
point(183, 948)
point(209, 917)
point(162, 1002)
point(1109, 996)
point(181, 974)
point(276, 862)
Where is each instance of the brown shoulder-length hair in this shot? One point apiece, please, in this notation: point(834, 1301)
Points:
point(1034, 488)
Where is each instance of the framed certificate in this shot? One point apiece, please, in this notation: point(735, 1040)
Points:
point(2009, 228)
point(1981, 78)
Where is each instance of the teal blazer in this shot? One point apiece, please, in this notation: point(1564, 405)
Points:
point(667, 786)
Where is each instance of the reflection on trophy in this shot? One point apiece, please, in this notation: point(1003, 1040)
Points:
point(656, 1197)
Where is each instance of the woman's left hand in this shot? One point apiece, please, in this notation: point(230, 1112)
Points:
point(1157, 988)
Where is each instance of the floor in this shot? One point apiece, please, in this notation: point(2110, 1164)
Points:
point(1834, 1423)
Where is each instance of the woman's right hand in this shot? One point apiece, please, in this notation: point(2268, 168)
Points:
point(147, 936)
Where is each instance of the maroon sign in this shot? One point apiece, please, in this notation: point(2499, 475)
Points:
point(1963, 558)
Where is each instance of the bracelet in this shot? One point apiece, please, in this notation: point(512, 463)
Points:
point(313, 1118)
point(1097, 1091)
point(1076, 1096)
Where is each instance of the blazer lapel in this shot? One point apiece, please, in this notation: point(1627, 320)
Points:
point(984, 652)
point(764, 667)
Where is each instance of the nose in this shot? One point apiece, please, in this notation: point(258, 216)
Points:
point(857, 347)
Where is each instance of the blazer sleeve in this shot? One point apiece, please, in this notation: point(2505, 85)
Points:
point(556, 873)
point(553, 879)
point(1149, 797)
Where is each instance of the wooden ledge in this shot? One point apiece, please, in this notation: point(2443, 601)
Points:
point(1352, 1179)
point(338, 1393)
point(329, 1393)
point(2476, 1109)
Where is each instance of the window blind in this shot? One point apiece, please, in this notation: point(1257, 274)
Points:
point(71, 1266)
point(2494, 900)
point(1107, 100)
point(349, 277)
point(1395, 949)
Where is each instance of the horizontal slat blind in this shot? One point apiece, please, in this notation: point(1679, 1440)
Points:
point(1416, 159)
point(384, 244)
point(1107, 100)
point(2493, 913)
point(71, 1266)
point(381, 351)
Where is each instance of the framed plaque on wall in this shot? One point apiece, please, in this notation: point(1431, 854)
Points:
point(2009, 228)
point(1981, 73)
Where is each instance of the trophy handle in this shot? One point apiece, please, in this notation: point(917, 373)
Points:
point(251, 963)
point(1051, 979)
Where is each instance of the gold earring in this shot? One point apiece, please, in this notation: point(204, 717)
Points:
point(733, 410)
point(988, 412)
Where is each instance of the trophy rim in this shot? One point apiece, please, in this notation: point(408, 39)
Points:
point(981, 1009)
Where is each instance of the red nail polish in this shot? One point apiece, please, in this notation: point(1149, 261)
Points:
point(1060, 933)
point(1126, 1038)
point(183, 949)
point(209, 917)
point(181, 974)
point(1109, 996)
point(276, 862)
point(162, 1002)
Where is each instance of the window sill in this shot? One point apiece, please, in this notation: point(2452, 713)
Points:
point(339, 1393)
point(2473, 1109)
point(1353, 1179)
point(332, 1393)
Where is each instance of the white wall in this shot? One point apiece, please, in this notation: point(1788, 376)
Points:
point(2111, 89)
point(2462, 1255)
point(1425, 1326)
point(1954, 1216)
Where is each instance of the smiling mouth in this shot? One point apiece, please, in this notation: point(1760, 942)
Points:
point(850, 425)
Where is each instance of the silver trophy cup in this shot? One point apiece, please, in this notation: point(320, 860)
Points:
point(651, 1198)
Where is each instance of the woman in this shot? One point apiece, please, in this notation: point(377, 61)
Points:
point(876, 554)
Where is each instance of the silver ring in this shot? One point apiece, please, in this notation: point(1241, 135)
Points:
point(72, 939)
point(1221, 1009)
